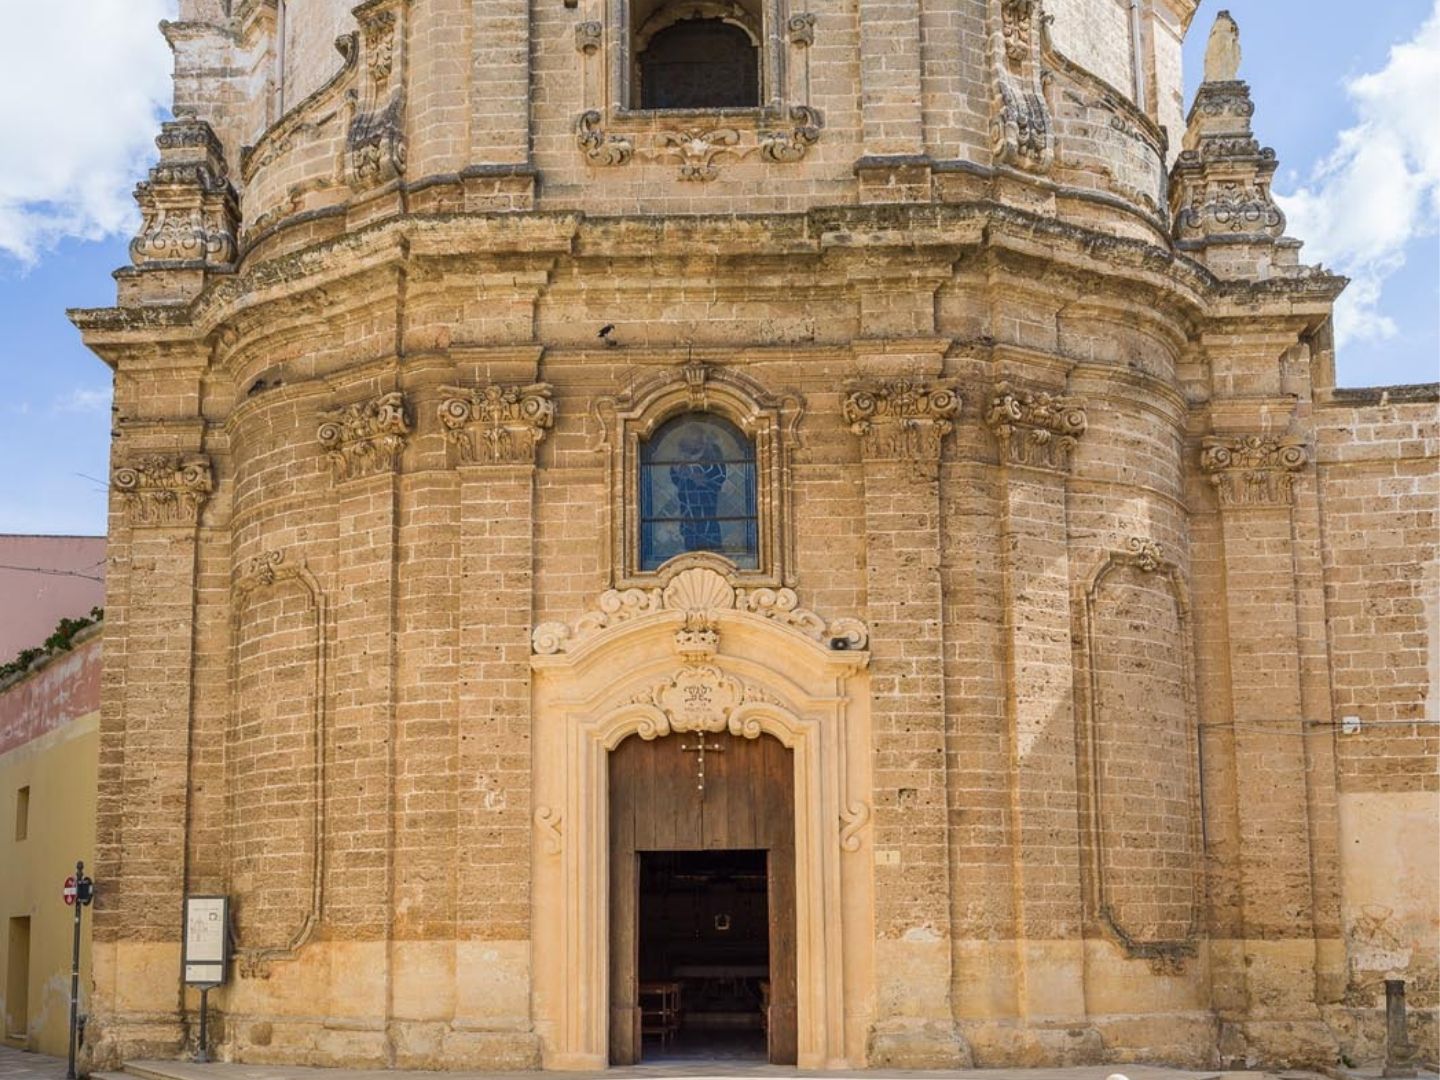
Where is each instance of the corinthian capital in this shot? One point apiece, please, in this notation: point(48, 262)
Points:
point(902, 419)
point(1036, 428)
point(1254, 470)
point(497, 425)
point(364, 438)
point(163, 489)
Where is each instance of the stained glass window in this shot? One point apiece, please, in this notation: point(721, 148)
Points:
point(697, 492)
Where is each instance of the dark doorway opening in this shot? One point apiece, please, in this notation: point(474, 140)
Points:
point(700, 64)
point(704, 954)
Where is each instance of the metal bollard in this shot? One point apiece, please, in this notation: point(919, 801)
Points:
point(1399, 1053)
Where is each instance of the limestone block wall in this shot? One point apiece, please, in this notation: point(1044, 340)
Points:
point(1377, 469)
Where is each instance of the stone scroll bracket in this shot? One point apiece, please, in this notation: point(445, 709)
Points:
point(375, 140)
point(1021, 132)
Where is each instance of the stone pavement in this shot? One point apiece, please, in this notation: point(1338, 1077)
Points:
point(20, 1065)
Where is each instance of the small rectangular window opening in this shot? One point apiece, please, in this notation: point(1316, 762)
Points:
point(22, 813)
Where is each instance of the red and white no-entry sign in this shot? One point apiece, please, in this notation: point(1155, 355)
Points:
point(69, 892)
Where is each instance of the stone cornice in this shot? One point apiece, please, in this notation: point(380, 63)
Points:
point(1036, 428)
point(364, 438)
point(1254, 470)
point(163, 489)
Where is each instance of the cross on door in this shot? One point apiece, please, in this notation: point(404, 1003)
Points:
point(699, 751)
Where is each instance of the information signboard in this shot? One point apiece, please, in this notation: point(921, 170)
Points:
point(207, 939)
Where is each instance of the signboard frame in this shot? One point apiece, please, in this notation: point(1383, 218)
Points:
point(206, 970)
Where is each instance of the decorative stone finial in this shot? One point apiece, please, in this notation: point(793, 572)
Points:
point(1222, 52)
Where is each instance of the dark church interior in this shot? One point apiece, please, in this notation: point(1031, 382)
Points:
point(704, 954)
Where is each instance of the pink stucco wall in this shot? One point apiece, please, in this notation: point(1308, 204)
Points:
point(44, 579)
point(65, 689)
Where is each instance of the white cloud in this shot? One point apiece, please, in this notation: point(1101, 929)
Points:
point(80, 89)
point(1379, 188)
point(83, 399)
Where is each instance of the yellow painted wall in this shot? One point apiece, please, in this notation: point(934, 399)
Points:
point(59, 768)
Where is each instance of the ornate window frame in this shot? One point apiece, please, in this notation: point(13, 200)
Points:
point(611, 131)
point(771, 423)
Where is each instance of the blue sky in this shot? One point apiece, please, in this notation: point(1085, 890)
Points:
point(1347, 102)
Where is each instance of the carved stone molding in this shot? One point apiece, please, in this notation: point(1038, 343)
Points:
point(697, 150)
point(189, 211)
point(1146, 554)
point(376, 137)
point(588, 36)
point(1036, 428)
point(548, 821)
point(163, 489)
point(258, 577)
point(1254, 470)
point(497, 425)
point(792, 143)
point(701, 593)
point(365, 438)
point(1220, 185)
point(599, 147)
point(1020, 128)
point(800, 28)
point(902, 419)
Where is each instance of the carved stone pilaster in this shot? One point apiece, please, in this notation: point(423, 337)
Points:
point(376, 138)
point(902, 419)
point(189, 212)
point(163, 489)
point(1254, 470)
point(1036, 428)
point(365, 438)
point(497, 425)
point(1020, 128)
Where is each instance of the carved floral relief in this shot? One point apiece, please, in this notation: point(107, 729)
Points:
point(1254, 470)
point(902, 419)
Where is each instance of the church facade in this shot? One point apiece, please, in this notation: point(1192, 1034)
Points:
point(828, 525)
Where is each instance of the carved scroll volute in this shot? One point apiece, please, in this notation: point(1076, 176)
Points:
point(1254, 470)
point(1021, 132)
point(376, 138)
point(497, 425)
point(365, 438)
point(902, 419)
point(1036, 428)
point(163, 489)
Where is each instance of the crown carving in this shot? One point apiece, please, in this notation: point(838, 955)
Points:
point(164, 489)
point(1254, 470)
point(365, 438)
point(497, 425)
point(902, 419)
point(1036, 428)
point(701, 594)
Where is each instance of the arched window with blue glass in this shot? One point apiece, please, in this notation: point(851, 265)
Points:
point(697, 492)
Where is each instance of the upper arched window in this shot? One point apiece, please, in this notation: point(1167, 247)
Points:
point(699, 63)
point(698, 492)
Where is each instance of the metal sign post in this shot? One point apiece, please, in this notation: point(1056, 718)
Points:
point(206, 955)
point(78, 891)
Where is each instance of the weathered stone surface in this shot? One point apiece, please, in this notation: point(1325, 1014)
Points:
point(1070, 559)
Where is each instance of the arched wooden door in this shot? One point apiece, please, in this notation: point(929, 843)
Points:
point(666, 796)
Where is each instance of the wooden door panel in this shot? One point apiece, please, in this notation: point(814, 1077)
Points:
point(747, 803)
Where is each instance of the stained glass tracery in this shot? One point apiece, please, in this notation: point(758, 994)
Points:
point(697, 492)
